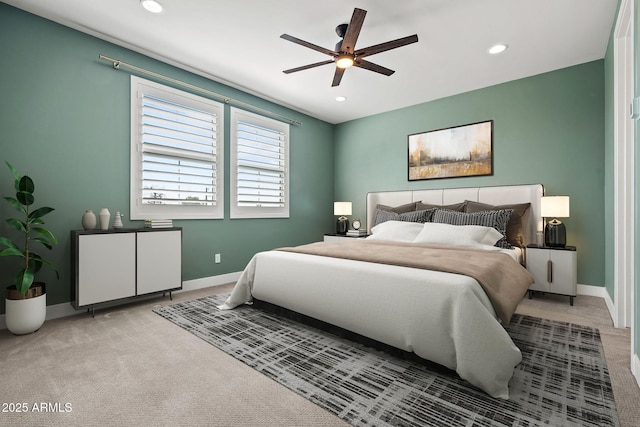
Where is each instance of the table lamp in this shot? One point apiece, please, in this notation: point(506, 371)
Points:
point(555, 233)
point(342, 209)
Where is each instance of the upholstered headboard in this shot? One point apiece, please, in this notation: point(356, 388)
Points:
point(506, 194)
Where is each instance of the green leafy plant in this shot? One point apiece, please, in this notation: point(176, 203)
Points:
point(31, 227)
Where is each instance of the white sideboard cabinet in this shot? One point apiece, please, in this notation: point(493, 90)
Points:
point(111, 265)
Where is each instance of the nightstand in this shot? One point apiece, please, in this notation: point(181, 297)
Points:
point(555, 270)
point(340, 237)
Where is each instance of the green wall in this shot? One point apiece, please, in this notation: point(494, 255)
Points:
point(548, 129)
point(64, 120)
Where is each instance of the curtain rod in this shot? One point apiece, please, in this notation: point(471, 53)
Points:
point(117, 64)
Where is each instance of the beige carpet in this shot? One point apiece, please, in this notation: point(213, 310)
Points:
point(129, 366)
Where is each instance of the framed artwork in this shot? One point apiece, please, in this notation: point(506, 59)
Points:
point(458, 151)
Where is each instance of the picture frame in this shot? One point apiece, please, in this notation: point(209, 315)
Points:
point(453, 152)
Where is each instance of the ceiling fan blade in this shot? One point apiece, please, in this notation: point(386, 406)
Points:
point(306, 67)
point(337, 77)
point(353, 30)
point(309, 45)
point(361, 63)
point(382, 47)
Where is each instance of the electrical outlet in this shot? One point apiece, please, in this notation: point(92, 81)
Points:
point(217, 258)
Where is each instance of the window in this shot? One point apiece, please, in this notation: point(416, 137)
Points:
point(176, 154)
point(259, 166)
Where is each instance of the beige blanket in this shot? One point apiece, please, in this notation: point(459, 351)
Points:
point(504, 280)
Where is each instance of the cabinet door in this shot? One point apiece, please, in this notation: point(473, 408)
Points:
point(159, 261)
point(563, 272)
point(537, 260)
point(106, 267)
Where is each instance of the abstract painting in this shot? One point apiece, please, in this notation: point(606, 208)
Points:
point(457, 151)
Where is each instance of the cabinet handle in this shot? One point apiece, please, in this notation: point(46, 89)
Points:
point(550, 271)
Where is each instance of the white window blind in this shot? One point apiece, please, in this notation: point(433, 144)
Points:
point(176, 154)
point(260, 163)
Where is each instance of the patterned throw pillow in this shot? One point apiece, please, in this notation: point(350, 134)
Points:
point(497, 219)
point(517, 222)
point(414, 216)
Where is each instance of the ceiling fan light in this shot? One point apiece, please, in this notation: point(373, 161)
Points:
point(344, 61)
point(152, 6)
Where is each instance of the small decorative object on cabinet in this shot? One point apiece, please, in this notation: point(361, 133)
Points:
point(104, 218)
point(117, 220)
point(89, 220)
point(553, 269)
point(118, 264)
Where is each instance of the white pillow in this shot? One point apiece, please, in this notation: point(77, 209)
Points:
point(396, 231)
point(457, 235)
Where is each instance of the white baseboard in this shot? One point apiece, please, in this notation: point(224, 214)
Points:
point(66, 309)
point(592, 291)
point(207, 282)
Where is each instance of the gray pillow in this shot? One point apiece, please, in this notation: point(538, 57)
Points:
point(399, 209)
point(497, 219)
point(454, 207)
point(413, 216)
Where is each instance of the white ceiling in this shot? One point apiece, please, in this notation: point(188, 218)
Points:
point(238, 42)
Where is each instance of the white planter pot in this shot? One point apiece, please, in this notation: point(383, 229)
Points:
point(24, 316)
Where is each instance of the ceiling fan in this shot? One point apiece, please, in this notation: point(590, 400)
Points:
point(345, 55)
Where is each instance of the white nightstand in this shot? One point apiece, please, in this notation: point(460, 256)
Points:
point(555, 270)
point(340, 237)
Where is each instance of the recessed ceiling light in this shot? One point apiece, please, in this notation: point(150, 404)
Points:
point(498, 48)
point(152, 6)
point(341, 98)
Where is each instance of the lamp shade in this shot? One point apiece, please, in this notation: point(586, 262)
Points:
point(342, 208)
point(555, 206)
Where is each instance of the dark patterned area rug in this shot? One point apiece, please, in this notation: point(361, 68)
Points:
point(562, 381)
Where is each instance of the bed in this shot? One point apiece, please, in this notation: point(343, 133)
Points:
point(444, 316)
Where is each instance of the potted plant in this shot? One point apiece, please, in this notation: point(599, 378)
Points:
point(26, 303)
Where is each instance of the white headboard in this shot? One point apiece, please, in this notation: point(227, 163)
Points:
point(506, 194)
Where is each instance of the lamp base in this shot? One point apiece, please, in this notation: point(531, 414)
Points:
point(555, 234)
point(342, 225)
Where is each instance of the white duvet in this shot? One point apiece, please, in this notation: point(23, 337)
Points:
point(442, 317)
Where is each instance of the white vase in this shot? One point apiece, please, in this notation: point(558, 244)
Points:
point(89, 220)
point(104, 218)
point(24, 316)
point(117, 220)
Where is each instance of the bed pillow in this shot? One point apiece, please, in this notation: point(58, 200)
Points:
point(396, 231)
point(458, 235)
point(497, 219)
point(413, 216)
point(454, 207)
point(399, 209)
point(515, 226)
